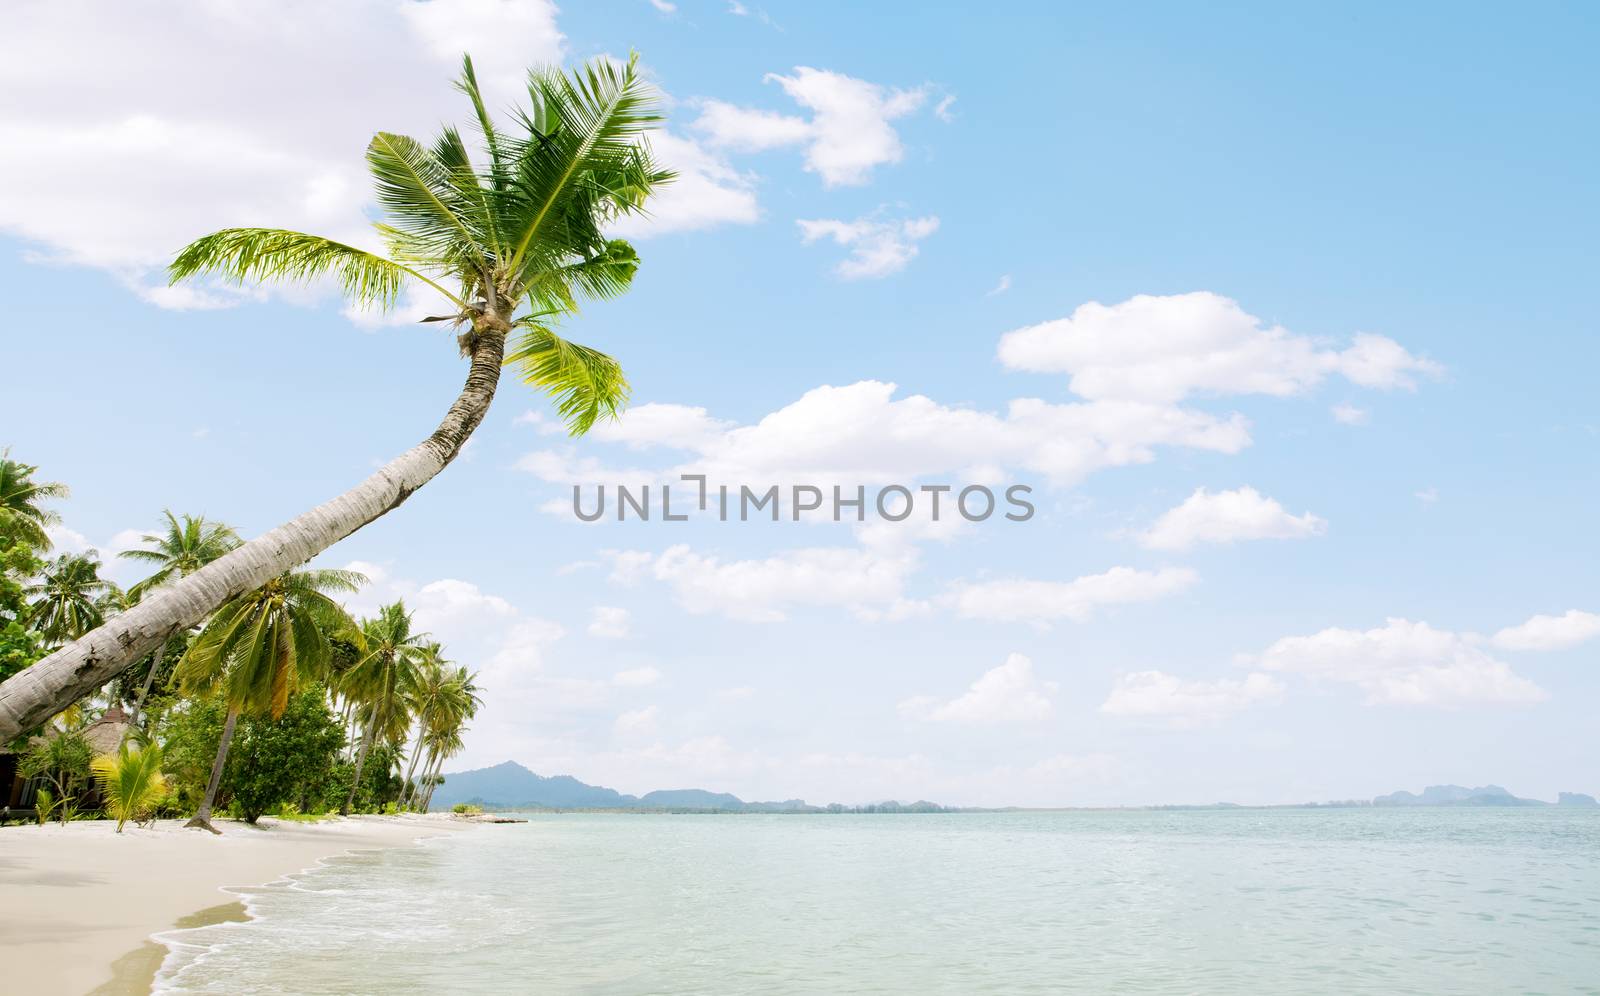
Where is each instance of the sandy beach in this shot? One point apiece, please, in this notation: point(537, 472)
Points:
point(77, 901)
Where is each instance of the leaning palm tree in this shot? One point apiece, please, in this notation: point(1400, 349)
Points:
point(20, 495)
point(67, 598)
point(176, 552)
point(382, 681)
point(509, 243)
point(258, 648)
point(444, 736)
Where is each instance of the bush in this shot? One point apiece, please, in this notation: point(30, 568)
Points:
point(466, 809)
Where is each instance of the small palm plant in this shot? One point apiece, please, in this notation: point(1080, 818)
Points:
point(131, 782)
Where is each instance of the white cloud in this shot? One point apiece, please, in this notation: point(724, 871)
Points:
point(1165, 349)
point(1158, 695)
point(1042, 602)
point(64, 540)
point(866, 582)
point(1550, 632)
point(664, 6)
point(1001, 286)
point(847, 136)
point(1427, 496)
point(123, 186)
point(609, 622)
point(1348, 414)
point(637, 722)
point(656, 424)
point(637, 677)
point(1403, 663)
point(1010, 693)
point(942, 109)
point(1227, 517)
point(877, 248)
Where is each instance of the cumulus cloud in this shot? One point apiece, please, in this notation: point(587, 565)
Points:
point(1348, 414)
point(1010, 693)
point(1042, 602)
point(1165, 349)
point(637, 721)
point(707, 192)
point(610, 622)
point(862, 434)
point(1227, 517)
point(1550, 632)
point(1404, 663)
point(877, 248)
point(637, 677)
point(1186, 702)
point(847, 135)
point(123, 190)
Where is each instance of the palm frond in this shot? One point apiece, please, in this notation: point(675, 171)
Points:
point(584, 383)
point(245, 254)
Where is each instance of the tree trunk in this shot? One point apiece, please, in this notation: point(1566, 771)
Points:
point(361, 761)
point(202, 817)
point(138, 704)
point(36, 693)
point(433, 780)
point(406, 791)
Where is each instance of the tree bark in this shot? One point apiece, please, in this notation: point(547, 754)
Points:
point(361, 761)
point(202, 816)
point(36, 693)
point(433, 780)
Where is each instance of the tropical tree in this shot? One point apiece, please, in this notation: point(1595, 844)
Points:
point(382, 681)
point(258, 648)
point(443, 739)
point(67, 598)
point(20, 495)
point(178, 551)
point(62, 758)
point(428, 690)
point(510, 242)
point(131, 781)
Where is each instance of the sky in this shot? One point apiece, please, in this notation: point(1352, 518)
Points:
point(1285, 317)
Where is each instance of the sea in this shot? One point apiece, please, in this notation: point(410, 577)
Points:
point(1189, 901)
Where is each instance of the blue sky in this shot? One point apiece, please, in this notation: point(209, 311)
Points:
point(1423, 175)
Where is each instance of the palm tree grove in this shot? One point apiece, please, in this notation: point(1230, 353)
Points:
point(232, 679)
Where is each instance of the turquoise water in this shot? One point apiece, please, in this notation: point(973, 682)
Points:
point(1283, 901)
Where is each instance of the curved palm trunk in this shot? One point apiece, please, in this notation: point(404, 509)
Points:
point(36, 693)
point(202, 816)
point(361, 762)
point(144, 690)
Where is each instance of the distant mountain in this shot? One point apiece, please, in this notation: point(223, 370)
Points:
point(511, 786)
point(1456, 795)
point(1576, 799)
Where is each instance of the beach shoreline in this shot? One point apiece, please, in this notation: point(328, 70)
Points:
point(83, 905)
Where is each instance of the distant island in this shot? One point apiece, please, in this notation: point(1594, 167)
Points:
point(511, 786)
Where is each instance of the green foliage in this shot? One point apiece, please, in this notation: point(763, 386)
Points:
point(66, 597)
point(131, 782)
point(287, 760)
point(466, 808)
point(261, 646)
point(523, 228)
point(181, 549)
point(62, 758)
point(44, 803)
point(22, 513)
point(189, 733)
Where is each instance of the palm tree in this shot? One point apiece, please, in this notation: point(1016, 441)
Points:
point(258, 648)
point(511, 243)
point(458, 705)
point(20, 495)
point(183, 548)
point(67, 598)
point(430, 687)
point(382, 681)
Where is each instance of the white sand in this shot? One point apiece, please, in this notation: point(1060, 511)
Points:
point(76, 899)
